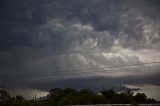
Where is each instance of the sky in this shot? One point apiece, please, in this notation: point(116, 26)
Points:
point(47, 44)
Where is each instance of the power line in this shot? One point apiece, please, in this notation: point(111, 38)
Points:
point(112, 67)
point(87, 70)
point(117, 70)
point(98, 68)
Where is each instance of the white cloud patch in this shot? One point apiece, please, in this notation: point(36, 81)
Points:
point(82, 27)
point(151, 91)
point(28, 93)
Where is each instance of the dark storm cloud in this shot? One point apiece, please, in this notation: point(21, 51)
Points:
point(20, 18)
point(91, 82)
point(18, 21)
point(52, 35)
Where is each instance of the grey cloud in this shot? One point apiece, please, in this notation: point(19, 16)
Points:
point(108, 16)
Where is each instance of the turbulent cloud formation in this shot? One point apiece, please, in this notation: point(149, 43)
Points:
point(51, 42)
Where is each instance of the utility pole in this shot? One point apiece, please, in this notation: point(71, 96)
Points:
point(35, 97)
point(120, 88)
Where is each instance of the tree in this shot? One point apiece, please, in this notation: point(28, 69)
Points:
point(55, 92)
point(129, 92)
point(86, 92)
point(20, 98)
point(4, 95)
point(149, 100)
point(70, 91)
point(109, 95)
point(69, 96)
point(140, 98)
point(55, 95)
point(86, 96)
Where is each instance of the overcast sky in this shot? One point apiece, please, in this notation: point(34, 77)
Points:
point(40, 38)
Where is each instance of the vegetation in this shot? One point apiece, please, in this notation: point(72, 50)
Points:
point(68, 96)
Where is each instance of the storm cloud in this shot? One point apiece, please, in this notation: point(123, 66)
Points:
point(41, 38)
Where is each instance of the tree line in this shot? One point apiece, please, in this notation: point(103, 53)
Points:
point(69, 96)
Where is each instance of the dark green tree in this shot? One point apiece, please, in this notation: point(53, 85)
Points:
point(140, 98)
point(20, 98)
point(109, 95)
point(86, 96)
